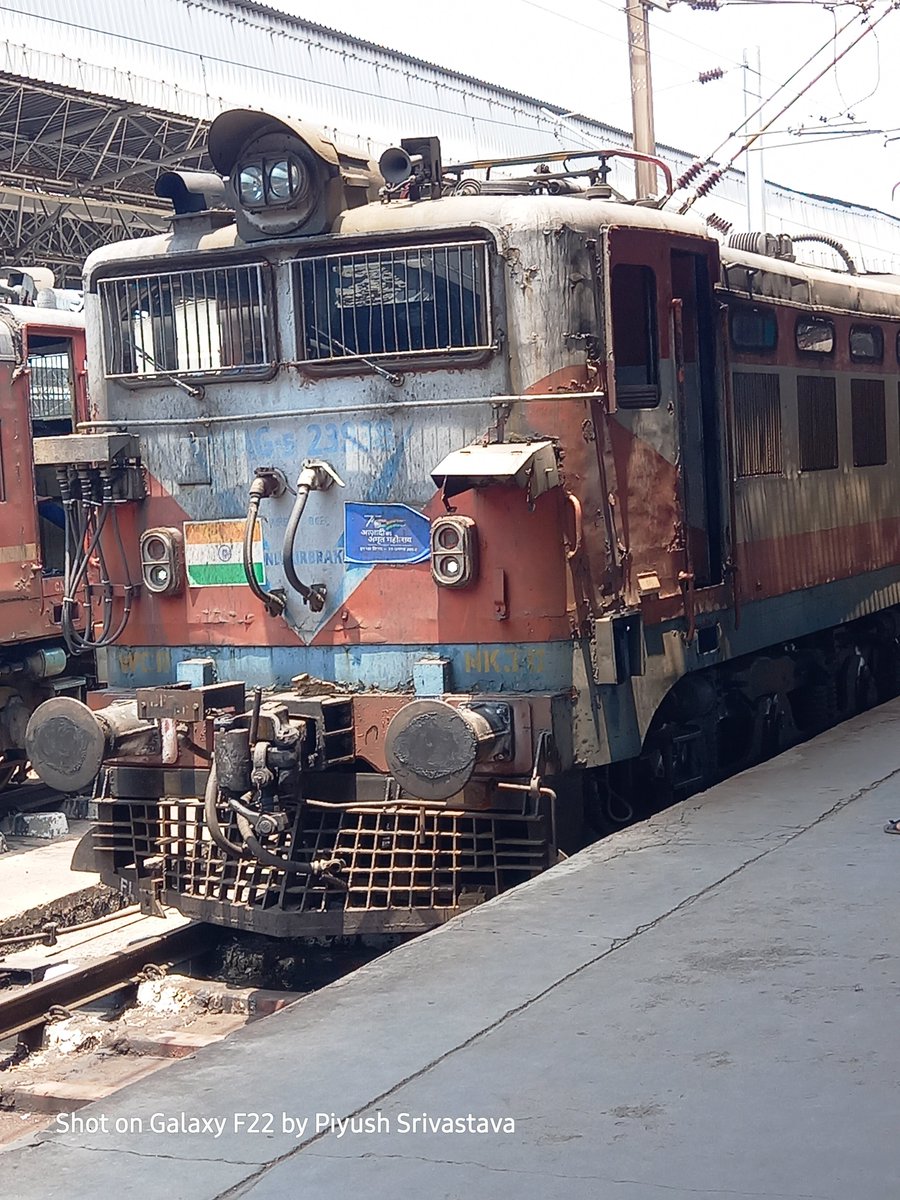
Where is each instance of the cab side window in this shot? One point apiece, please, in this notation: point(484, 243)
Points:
point(635, 337)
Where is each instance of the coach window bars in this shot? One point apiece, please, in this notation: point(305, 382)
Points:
point(868, 422)
point(817, 424)
point(752, 329)
point(402, 303)
point(814, 335)
point(214, 322)
point(866, 343)
point(635, 338)
point(757, 424)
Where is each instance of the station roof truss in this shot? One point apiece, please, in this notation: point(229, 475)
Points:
point(77, 171)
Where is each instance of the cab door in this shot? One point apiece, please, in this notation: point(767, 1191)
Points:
point(700, 424)
point(665, 431)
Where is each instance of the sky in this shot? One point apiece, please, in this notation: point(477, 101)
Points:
point(574, 53)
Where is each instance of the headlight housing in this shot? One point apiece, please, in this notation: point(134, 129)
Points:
point(284, 177)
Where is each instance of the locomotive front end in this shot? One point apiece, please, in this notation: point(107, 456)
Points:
point(343, 698)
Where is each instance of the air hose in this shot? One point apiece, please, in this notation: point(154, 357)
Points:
point(274, 601)
point(252, 847)
point(212, 817)
point(309, 595)
point(314, 476)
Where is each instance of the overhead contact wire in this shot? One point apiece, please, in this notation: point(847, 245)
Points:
point(713, 178)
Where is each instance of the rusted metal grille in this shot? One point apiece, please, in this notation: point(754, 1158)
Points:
point(757, 423)
point(50, 385)
point(393, 859)
point(389, 303)
point(211, 322)
point(817, 422)
point(868, 422)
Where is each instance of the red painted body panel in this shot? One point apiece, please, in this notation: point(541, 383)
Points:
point(774, 566)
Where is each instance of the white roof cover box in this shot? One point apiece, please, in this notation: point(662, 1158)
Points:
point(530, 465)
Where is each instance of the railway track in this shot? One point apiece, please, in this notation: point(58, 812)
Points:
point(29, 797)
point(30, 1001)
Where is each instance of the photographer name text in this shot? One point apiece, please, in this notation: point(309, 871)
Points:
point(298, 1126)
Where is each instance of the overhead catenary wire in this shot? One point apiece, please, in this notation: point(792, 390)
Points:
point(713, 178)
point(699, 164)
point(623, 41)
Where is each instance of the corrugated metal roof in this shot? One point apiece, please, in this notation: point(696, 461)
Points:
point(198, 57)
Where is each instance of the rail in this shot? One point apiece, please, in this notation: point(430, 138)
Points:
point(24, 1013)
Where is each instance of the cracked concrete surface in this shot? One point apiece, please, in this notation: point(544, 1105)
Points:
point(724, 1035)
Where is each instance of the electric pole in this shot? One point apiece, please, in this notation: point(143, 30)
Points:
point(754, 172)
point(638, 15)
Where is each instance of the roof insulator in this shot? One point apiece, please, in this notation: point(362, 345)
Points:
point(709, 183)
point(689, 175)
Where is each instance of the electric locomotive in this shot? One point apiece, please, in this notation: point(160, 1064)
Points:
point(42, 394)
point(474, 507)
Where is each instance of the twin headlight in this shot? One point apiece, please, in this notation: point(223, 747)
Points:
point(272, 183)
point(454, 551)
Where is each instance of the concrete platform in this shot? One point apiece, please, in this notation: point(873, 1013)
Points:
point(34, 873)
point(702, 1005)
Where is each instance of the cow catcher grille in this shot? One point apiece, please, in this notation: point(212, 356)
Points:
point(403, 869)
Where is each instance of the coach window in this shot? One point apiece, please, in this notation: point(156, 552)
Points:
point(815, 335)
point(866, 343)
point(753, 330)
point(817, 422)
point(868, 421)
point(635, 336)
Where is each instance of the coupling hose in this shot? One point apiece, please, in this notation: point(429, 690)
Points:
point(211, 817)
point(274, 601)
point(311, 595)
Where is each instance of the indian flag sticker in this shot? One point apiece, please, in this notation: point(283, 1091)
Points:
point(214, 553)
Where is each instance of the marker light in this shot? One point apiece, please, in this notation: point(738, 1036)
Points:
point(454, 551)
point(162, 560)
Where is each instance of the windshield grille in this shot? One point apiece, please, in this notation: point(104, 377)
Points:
point(423, 300)
point(210, 322)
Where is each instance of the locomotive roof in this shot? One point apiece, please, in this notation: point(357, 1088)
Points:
point(762, 277)
point(53, 318)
